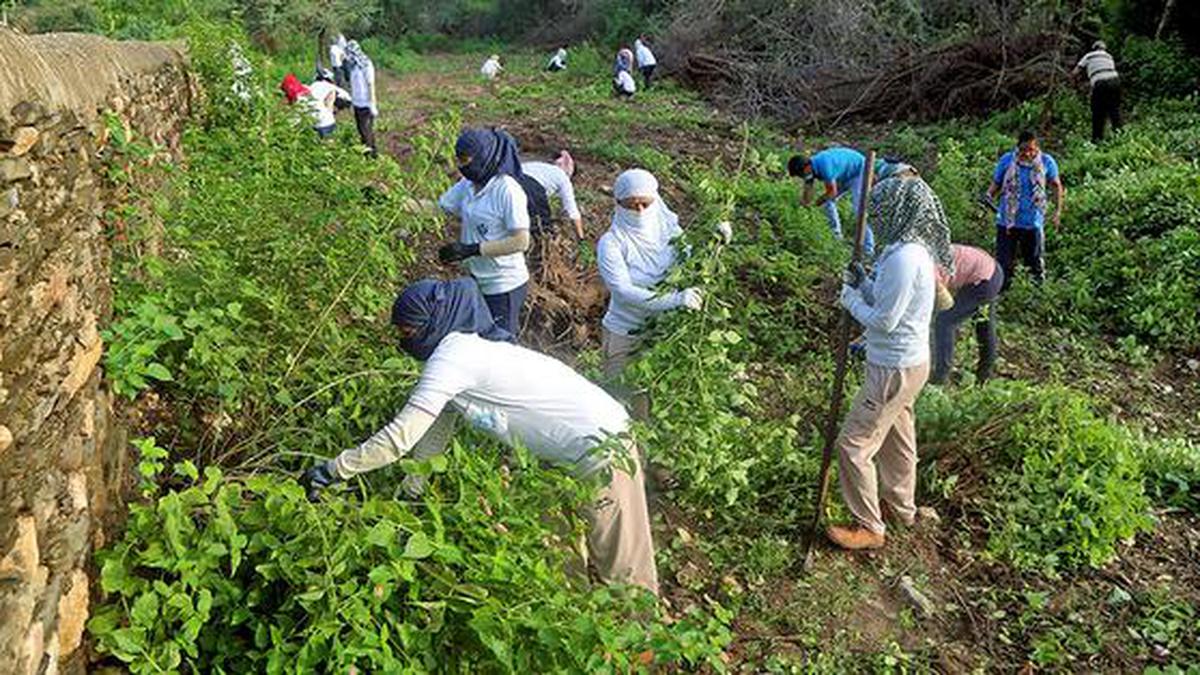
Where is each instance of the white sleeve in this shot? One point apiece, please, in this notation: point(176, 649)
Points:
point(342, 93)
point(446, 375)
point(387, 445)
point(615, 273)
point(452, 199)
point(566, 194)
point(894, 288)
point(514, 205)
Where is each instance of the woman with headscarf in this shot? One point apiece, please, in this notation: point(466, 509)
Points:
point(877, 446)
point(634, 256)
point(494, 211)
point(623, 82)
point(362, 93)
point(471, 368)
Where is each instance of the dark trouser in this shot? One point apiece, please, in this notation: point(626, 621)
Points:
point(366, 128)
point(1025, 242)
point(341, 76)
point(647, 74)
point(978, 301)
point(1106, 105)
point(506, 308)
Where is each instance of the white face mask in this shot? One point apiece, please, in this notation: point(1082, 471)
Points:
point(636, 218)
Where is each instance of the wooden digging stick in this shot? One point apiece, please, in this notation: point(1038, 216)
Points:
point(841, 359)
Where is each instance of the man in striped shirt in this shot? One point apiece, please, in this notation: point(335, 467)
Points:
point(1106, 89)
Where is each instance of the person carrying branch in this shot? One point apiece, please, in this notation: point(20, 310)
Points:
point(975, 283)
point(472, 369)
point(362, 94)
point(555, 179)
point(877, 445)
point(493, 210)
point(1101, 72)
point(635, 256)
point(840, 171)
point(1021, 179)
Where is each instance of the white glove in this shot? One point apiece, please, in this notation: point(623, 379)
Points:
point(724, 230)
point(691, 298)
point(850, 296)
point(374, 111)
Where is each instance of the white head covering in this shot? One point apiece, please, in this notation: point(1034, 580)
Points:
point(645, 237)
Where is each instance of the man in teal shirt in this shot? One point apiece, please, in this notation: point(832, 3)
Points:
point(1020, 180)
point(840, 171)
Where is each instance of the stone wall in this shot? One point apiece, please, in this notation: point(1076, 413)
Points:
point(62, 460)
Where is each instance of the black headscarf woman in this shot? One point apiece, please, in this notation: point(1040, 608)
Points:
point(429, 310)
point(483, 154)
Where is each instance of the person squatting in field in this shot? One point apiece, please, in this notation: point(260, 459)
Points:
point(325, 96)
point(976, 284)
point(555, 179)
point(491, 68)
point(472, 369)
point(559, 60)
point(634, 256)
point(493, 211)
point(362, 94)
point(1021, 179)
point(623, 82)
point(877, 445)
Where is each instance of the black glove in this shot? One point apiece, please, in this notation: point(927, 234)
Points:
point(457, 251)
point(318, 478)
point(854, 275)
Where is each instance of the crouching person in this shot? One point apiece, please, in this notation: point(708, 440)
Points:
point(473, 369)
point(877, 447)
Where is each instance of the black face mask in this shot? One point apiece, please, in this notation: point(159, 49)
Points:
point(471, 172)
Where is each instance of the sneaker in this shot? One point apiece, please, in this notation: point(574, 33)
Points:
point(854, 538)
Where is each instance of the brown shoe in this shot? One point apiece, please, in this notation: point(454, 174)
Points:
point(854, 538)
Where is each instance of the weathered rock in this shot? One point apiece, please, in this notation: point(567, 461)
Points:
point(82, 367)
point(22, 140)
point(13, 169)
point(73, 614)
point(21, 560)
point(6, 439)
point(917, 600)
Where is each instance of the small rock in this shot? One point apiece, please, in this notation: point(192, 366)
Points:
point(22, 140)
point(1193, 365)
point(6, 438)
point(73, 613)
point(928, 514)
point(1160, 653)
point(13, 169)
point(916, 599)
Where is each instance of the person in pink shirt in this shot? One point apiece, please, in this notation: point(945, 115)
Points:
point(976, 284)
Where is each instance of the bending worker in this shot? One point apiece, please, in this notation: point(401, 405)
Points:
point(555, 179)
point(634, 256)
point(521, 397)
point(877, 446)
point(494, 213)
point(976, 284)
point(840, 172)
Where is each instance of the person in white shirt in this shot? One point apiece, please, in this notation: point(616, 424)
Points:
point(324, 97)
point(877, 446)
point(558, 61)
point(634, 257)
point(555, 179)
point(472, 370)
point(624, 85)
point(362, 94)
point(1101, 71)
point(494, 211)
point(491, 68)
point(645, 59)
point(337, 61)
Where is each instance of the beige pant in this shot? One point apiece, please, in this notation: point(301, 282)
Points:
point(877, 455)
point(619, 540)
point(618, 349)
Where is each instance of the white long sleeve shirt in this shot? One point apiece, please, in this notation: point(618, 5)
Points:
point(556, 183)
point(645, 57)
point(362, 86)
point(900, 308)
point(630, 275)
point(324, 96)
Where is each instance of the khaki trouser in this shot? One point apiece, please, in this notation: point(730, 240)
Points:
point(877, 447)
point(619, 541)
point(618, 349)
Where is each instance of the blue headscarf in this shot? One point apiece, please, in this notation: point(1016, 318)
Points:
point(492, 151)
point(439, 308)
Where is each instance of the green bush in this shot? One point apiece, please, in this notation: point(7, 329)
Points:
point(1063, 486)
point(1157, 69)
point(241, 575)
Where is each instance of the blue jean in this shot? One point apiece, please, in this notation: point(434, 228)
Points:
point(979, 301)
point(506, 308)
point(835, 220)
point(325, 132)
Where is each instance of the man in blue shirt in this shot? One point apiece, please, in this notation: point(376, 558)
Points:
point(1020, 180)
point(840, 170)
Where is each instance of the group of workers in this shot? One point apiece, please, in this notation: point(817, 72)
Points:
point(348, 82)
point(465, 331)
point(640, 56)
